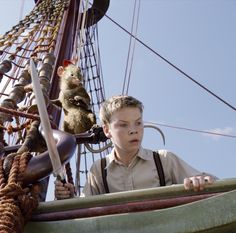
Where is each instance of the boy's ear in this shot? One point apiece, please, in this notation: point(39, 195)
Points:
point(106, 130)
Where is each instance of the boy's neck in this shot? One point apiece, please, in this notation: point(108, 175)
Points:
point(125, 159)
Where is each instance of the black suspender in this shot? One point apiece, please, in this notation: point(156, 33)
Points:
point(158, 163)
point(104, 174)
point(159, 167)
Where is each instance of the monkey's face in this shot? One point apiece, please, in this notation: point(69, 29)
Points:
point(72, 75)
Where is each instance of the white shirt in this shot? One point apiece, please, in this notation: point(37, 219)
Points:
point(141, 172)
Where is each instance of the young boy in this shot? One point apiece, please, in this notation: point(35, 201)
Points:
point(129, 166)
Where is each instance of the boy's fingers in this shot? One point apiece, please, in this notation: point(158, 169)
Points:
point(63, 191)
point(208, 179)
point(201, 182)
point(187, 183)
point(197, 182)
point(62, 194)
point(61, 188)
point(68, 185)
point(192, 182)
point(58, 183)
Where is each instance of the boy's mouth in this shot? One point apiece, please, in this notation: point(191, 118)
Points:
point(134, 141)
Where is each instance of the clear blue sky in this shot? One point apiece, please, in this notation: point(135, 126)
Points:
point(198, 36)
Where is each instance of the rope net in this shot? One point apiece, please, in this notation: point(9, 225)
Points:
point(49, 34)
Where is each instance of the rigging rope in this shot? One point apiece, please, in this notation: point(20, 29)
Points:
point(131, 42)
point(192, 130)
point(174, 66)
point(74, 52)
point(81, 32)
point(21, 9)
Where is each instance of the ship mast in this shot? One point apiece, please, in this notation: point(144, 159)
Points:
point(48, 34)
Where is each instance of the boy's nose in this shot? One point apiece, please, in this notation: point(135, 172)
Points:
point(133, 131)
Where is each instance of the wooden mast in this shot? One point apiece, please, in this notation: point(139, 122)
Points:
point(94, 14)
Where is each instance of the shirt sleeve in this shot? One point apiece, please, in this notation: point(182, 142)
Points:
point(177, 168)
point(93, 185)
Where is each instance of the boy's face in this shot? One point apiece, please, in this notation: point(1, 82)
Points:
point(125, 130)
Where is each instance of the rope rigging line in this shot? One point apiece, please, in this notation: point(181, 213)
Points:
point(81, 32)
point(193, 130)
point(38, 36)
point(131, 44)
point(174, 66)
point(75, 48)
point(21, 9)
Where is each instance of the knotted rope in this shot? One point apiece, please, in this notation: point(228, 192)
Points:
point(16, 202)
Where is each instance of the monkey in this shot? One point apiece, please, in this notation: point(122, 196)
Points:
point(74, 100)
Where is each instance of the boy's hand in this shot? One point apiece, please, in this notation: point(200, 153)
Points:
point(197, 183)
point(64, 191)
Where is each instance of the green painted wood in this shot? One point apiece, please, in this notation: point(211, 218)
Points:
point(132, 196)
point(213, 215)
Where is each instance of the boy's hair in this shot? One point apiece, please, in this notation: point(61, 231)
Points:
point(115, 103)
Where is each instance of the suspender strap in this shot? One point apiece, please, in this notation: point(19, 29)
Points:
point(157, 160)
point(159, 167)
point(104, 174)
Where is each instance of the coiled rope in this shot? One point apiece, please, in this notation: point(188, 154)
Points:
point(16, 202)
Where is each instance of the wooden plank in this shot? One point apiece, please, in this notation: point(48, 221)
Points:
point(216, 214)
point(132, 196)
point(137, 206)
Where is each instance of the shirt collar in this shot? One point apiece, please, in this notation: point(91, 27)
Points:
point(144, 154)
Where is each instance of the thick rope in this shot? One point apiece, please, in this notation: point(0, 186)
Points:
point(16, 202)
